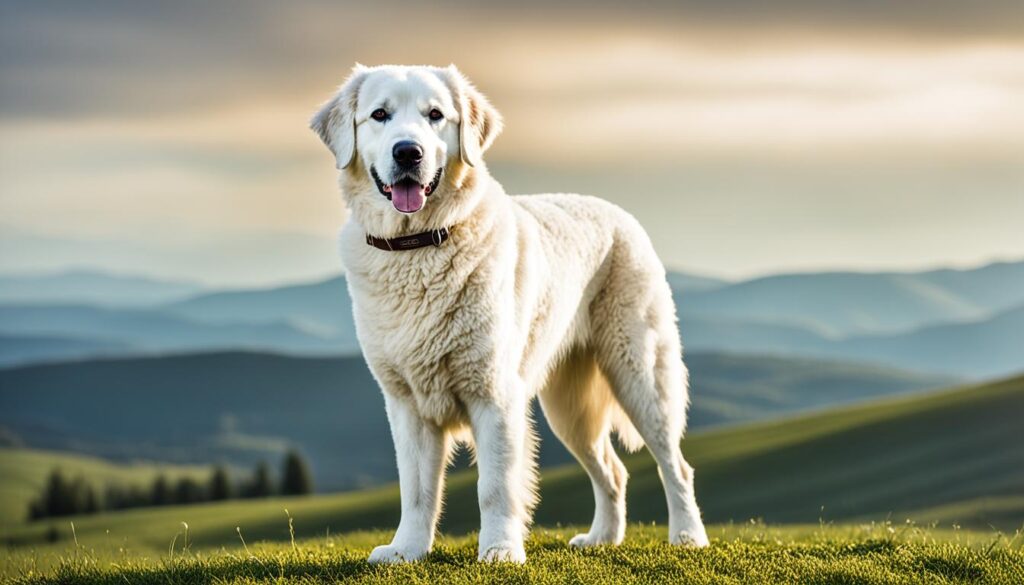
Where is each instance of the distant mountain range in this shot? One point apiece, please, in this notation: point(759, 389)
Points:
point(152, 330)
point(683, 281)
point(840, 304)
point(960, 322)
point(323, 307)
point(217, 256)
point(32, 349)
point(243, 407)
point(992, 346)
point(92, 288)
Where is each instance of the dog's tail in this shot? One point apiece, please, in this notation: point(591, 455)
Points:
point(627, 434)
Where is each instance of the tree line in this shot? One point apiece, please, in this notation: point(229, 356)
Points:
point(62, 496)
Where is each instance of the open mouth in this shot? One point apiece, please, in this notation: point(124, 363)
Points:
point(406, 194)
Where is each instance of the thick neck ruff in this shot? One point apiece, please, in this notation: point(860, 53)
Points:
point(421, 240)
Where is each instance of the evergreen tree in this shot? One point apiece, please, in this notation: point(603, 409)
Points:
point(160, 494)
point(92, 503)
point(61, 497)
point(261, 485)
point(220, 484)
point(36, 509)
point(188, 491)
point(138, 497)
point(296, 479)
point(114, 497)
point(79, 496)
point(57, 497)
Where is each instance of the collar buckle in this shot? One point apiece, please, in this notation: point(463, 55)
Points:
point(438, 236)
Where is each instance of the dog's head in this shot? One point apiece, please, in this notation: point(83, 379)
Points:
point(398, 131)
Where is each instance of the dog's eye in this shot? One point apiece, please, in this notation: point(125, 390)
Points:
point(380, 114)
point(435, 115)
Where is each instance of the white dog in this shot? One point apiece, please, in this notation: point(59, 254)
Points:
point(469, 302)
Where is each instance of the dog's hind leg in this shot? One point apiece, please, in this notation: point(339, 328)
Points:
point(638, 349)
point(579, 406)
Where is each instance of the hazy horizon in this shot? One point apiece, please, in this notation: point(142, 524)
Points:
point(268, 280)
point(170, 139)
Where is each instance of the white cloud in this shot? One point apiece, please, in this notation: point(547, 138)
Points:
point(657, 104)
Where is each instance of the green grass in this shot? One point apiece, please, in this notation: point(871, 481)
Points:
point(877, 553)
point(954, 458)
point(24, 473)
point(945, 460)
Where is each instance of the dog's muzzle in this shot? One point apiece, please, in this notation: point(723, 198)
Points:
point(406, 194)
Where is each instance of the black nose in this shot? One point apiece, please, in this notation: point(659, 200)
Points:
point(407, 153)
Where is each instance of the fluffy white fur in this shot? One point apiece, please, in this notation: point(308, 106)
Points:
point(557, 296)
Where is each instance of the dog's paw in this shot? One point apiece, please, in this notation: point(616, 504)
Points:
point(389, 553)
point(696, 538)
point(504, 553)
point(590, 539)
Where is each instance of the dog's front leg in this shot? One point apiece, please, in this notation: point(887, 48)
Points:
point(500, 430)
point(421, 449)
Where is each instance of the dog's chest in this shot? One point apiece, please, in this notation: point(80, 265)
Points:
point(427, 330)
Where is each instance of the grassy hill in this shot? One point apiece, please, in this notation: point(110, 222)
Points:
point(242, 407)
point(738, 554)
point(950, 457)
point(24, 472)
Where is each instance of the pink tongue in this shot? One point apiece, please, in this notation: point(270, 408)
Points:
point(407, 197)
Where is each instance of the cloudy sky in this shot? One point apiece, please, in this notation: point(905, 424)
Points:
point(169, 138)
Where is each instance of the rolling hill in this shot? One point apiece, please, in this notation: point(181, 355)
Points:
point(990, 347)
point(954, 456)
point(751, 337)
point(843, 304)
point(243, 407)
point(895, 318)
point(149, 330)
point(24, 473)
point(987, 348)
point(44, 333)
point(323, 306)
point(19, 349)
point(92, 288)
point(686, 282)
point(815, 305)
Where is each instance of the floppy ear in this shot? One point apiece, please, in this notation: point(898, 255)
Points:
point(479, 122)
point(335, 122)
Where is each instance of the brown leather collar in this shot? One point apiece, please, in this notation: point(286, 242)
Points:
point(420, 240)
